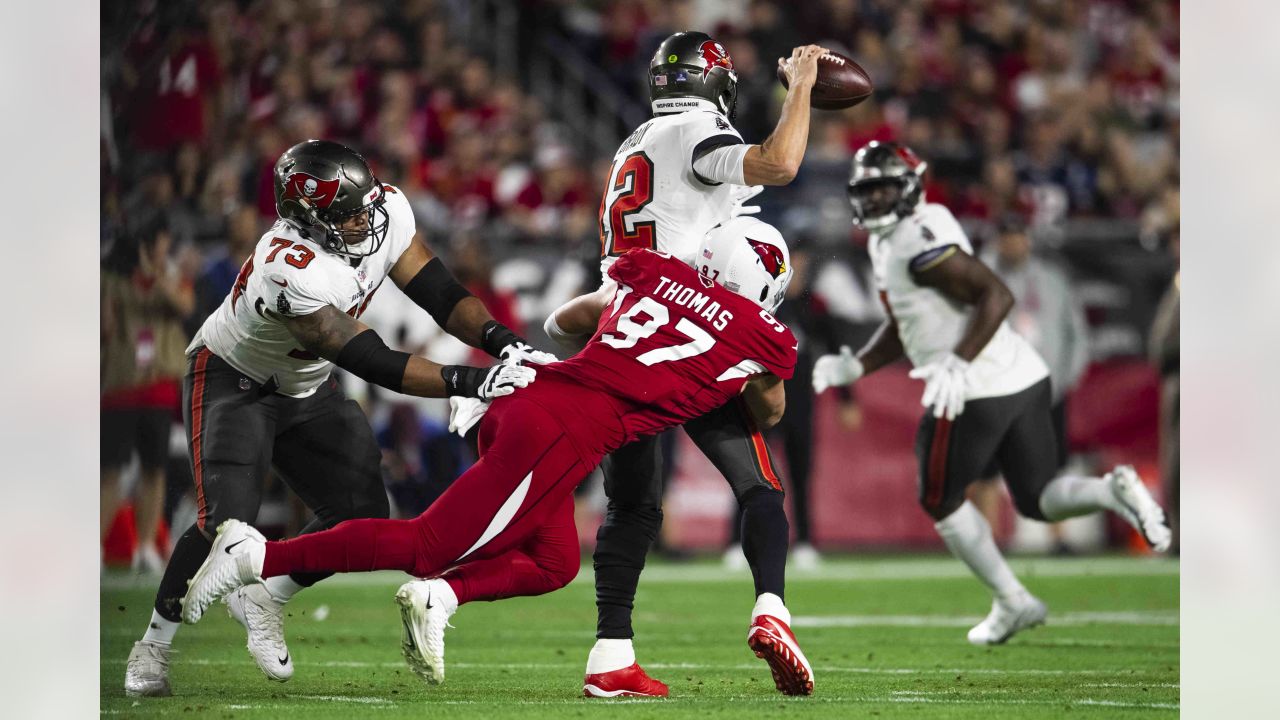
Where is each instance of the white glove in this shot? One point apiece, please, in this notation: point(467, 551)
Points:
point(739, 195)
point(945, 382)
point(836, 370)
point(464, 413)
point(503, 380)
point(518, 353)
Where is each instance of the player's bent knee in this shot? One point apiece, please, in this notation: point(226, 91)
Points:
point(941, 510)
point(1028, 506)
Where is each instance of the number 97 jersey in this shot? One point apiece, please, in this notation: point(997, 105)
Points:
point(654, 199)
point(673, 346)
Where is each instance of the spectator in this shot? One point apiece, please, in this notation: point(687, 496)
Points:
point(144, 301)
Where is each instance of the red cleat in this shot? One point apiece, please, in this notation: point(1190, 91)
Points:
point(772, 640)
point(627, 682)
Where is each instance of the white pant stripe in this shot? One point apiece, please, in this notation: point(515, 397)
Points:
point(504, 516)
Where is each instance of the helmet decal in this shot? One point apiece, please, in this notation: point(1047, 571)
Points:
point(907, 156)
point(770, 257)
point(714, 54)
point(317, 192)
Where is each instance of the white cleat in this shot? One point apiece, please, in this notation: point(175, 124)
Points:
point(147, 674)
point(147, 560)
point(423, 620)
point(1007, 617)
point(263, 619)
point(1140, 509)
point(235, 560)
point(734, 559)
point(805, 557)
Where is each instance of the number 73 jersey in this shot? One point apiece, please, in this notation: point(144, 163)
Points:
point(673, 346)
point(654, 199)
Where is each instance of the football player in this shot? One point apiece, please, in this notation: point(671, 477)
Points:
point(672, 345)
point(986, 394)
point(677, 176)
point(259, 390)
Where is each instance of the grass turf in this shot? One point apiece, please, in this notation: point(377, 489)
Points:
point(885, 637)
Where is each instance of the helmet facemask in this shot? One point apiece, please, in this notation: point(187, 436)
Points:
point(357, 240)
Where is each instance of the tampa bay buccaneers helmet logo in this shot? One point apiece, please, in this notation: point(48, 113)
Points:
point(770, 257)
point(318, 193)
point(714, 55)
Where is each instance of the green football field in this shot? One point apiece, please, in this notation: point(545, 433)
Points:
point(885, 636)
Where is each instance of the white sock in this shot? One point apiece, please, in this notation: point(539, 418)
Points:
point(1069, 496)
point(160, 630)
point(282, 587)
point(610, 654)
point(968, 537)
point(443, 592)
point(770, 604)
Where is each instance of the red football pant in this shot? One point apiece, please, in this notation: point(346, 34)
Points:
point(514, 506)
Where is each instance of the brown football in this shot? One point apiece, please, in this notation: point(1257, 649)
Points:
point(841, 83)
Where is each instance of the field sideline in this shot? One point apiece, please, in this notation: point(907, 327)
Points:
point(885, 636)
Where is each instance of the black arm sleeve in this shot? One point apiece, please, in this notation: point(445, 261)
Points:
point(368, 358)
point(462, 380)
point(435, 290)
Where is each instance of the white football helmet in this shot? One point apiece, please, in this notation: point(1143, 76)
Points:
point(748, 257)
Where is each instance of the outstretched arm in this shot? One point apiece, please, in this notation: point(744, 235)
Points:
point(352, 346)
point(424, 278)
point(573, 322)
point(777, 160)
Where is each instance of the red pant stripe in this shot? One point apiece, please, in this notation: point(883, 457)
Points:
point(936, 478)
point(197, 421)
point(759, 448)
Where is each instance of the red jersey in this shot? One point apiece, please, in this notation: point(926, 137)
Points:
point(672, 346)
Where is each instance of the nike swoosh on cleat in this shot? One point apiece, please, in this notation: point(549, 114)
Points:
point(284, 660)
point(281, 283)
point(232, 545)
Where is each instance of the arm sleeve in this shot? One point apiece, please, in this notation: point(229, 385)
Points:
point(722, 164)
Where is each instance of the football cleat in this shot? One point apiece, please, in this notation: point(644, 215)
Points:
point(262, 617)
point(147, 560)
point(772, 640)
point(423, 620)
point(1007, 617)
point(630, 681)
point(147, 674)
point(234, 561)
point(734, 559)
point(1140, 509)
point(805, 557)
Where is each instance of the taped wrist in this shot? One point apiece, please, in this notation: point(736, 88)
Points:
point(462, 380)
point(494, 336)
point(368, 358)
point(435, 290)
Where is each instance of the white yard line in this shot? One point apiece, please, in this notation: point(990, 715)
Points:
point(1068, 619)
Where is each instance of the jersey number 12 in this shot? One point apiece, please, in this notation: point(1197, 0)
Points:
point(628, 190)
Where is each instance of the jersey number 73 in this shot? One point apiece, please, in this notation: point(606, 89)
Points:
point(628, 189)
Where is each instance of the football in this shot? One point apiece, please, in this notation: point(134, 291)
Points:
point(842, 83)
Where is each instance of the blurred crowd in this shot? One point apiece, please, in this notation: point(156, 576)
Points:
point(1045, 111)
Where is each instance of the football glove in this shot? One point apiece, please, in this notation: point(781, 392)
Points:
point(739, 195)
point(485, 383)
point(519, 353)
point(836, 370)
point(945, 382)
point(464, 413)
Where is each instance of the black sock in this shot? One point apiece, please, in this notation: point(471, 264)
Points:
point(765, 534)
point(622, 542)
point(191, 550)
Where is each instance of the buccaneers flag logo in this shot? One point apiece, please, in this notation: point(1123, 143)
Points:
point(770, 257)
point(714, 54)
point(317, 192)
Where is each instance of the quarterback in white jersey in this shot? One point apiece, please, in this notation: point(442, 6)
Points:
point(986, 395)
point(259, 394)
point(674, 179)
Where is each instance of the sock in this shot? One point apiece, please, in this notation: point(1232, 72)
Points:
point(608, 655)
point(765, 535)
point(442, 590)
point(1069, 496)
point(352, 546)
point(968, 537)
point(770, 604)
point(282, 587)
point(160, 629)
point(188, 554)
point(622, 542)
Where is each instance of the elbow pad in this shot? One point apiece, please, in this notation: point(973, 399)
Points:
point(368, 358)
point(435, 290)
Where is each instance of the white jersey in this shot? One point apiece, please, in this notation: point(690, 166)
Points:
point(654, 199)
point(287, 276)
point(931, 324)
